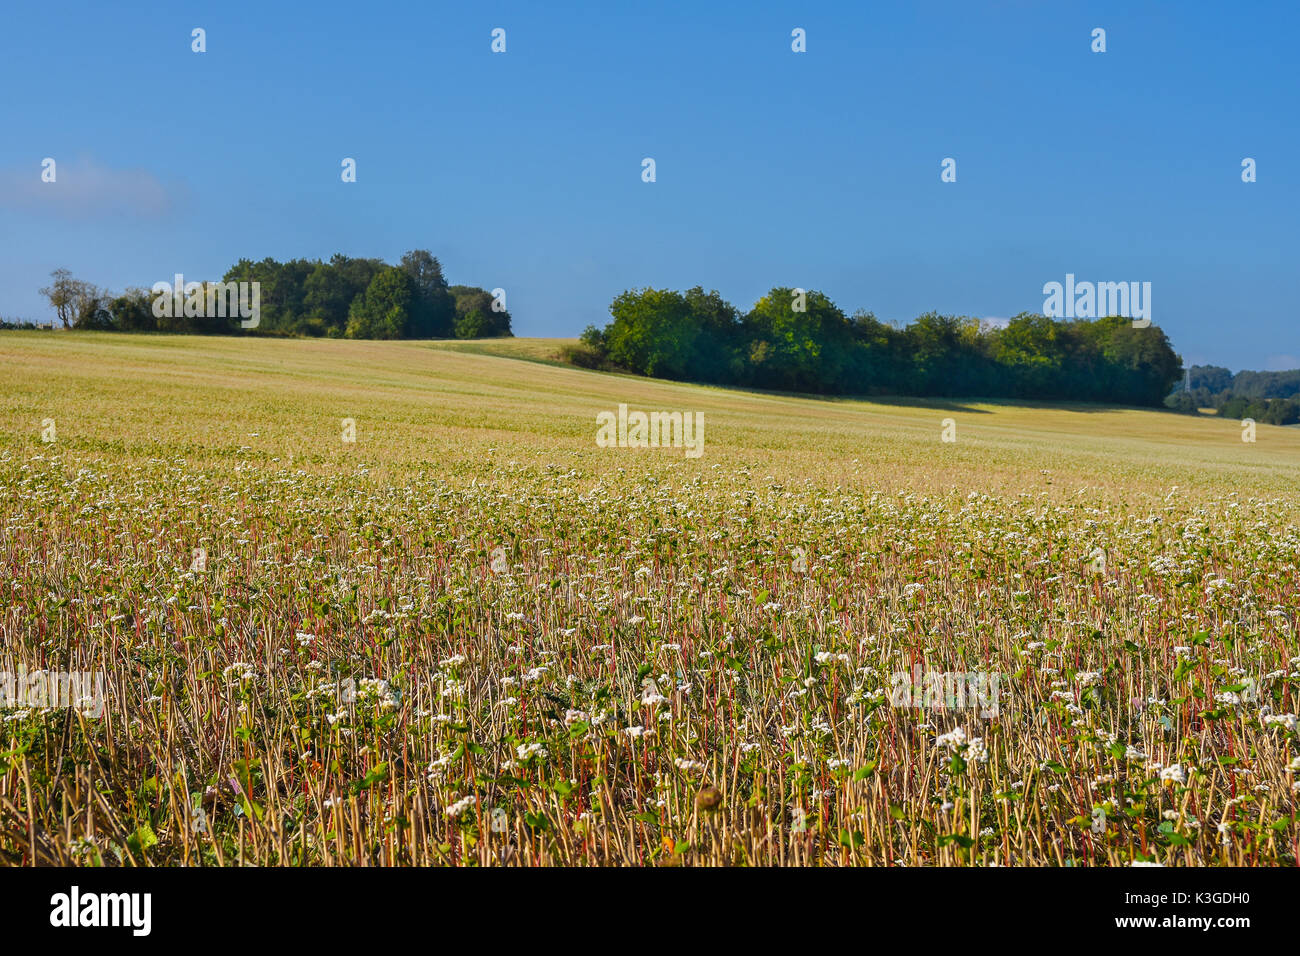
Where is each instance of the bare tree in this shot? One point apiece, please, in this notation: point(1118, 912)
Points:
point(70, 297)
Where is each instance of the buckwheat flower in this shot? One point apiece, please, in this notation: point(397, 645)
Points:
point(1286, 721)
point(1088, 678)
point(238, 672)
point(634, 732)
point(380, 690)
point(529, 751)
point(952, 740)
point(1173, 774)
point(460, 806)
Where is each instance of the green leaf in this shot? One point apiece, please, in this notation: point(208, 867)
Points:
point(141, 839)
point(865, 771)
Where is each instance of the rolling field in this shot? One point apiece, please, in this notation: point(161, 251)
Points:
point(472, 636)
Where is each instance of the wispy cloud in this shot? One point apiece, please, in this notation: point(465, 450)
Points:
point(86, 190)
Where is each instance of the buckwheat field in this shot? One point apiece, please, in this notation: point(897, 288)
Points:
point(391, 604)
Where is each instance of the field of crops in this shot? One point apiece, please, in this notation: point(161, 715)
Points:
point(472, 636)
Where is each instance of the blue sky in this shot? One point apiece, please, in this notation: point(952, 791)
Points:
point(820, 170)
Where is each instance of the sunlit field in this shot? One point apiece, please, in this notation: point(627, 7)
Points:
point(473, 637)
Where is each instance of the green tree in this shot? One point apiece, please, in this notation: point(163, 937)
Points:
point(384, 311)
point(433, 311)
point(799, 341)
point(328, 295)
point(1030, 355)
point(488, 322)
point(652, 332)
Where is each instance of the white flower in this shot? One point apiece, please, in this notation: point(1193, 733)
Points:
point(528, 751)
point(952, 740)
point(461, 805)
point(1287, 721)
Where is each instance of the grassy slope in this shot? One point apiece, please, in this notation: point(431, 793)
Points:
point(272, 398)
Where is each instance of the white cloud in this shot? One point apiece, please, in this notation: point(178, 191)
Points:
point(84, 189)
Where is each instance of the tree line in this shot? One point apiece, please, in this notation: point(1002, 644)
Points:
point(345, 297)
point(792, 340)
point(1269, 397)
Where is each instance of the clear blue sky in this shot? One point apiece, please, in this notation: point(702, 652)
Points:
point(820, 170)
